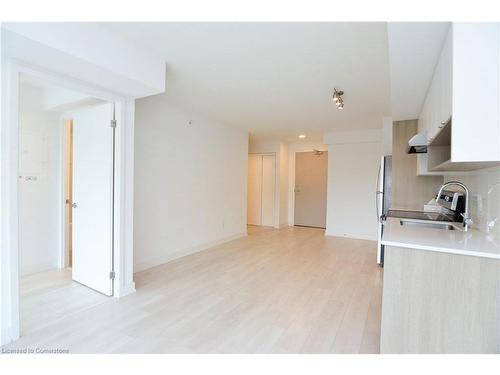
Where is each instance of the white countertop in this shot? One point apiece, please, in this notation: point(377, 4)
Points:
point(472, 242)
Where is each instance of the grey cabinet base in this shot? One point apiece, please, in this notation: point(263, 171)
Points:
point(439, 303)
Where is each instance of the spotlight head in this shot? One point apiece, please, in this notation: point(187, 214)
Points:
point(337, 98)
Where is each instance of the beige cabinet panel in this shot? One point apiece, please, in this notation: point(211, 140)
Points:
point(439, 303)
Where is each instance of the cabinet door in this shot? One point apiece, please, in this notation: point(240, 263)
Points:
point(442, 87)
point(422, 124)
point(447, 77)
point(423, 121)
point(433, 110)
point(476, 130)
point(465, 86)
point(438, 102)
point(439, 97)
point(441, 116)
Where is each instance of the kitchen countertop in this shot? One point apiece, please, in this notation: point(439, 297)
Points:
point(472, 243)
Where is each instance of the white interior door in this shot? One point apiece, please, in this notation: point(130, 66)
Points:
point(93, 197)
point(254, 200)
point(268, 189)
point(311, 173)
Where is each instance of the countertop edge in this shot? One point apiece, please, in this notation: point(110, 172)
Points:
point(441, 250)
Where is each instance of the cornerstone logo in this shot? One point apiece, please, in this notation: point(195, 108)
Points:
point(34, 351)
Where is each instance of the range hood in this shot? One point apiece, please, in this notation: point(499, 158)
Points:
point(418, 144)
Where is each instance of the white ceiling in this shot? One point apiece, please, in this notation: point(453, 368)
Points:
point(274, 79)
point(414, 49)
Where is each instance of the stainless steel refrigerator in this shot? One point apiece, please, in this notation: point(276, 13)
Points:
point(383, 197)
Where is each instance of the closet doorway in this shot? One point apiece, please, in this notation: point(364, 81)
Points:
point(261, 189)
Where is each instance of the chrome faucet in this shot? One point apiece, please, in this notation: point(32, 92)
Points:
point(466, 215)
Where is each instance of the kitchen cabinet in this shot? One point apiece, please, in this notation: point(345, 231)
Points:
point(437, 302)
point(437, 108)
point(461, 110)
point(410, 190)
point(423, 168)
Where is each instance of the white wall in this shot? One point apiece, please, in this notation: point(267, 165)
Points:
point(387, 135)
point(190, 183)
point(39, 184)
point(353, 162)
point(283, 187)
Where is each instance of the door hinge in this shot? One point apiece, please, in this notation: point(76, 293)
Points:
point(112, 275)
point(113, 123)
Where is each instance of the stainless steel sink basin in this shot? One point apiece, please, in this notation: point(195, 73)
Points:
point(428, 224)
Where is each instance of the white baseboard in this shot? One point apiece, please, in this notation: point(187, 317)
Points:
point(126, 290)
point(144, 265)
point(354, 236)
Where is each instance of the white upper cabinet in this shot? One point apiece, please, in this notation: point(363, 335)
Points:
point(437, 107)
point(465, 89)
point(475, 131)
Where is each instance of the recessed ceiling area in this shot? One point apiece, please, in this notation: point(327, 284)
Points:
point(274, 79)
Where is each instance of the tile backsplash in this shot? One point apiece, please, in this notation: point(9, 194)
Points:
point(484, 185)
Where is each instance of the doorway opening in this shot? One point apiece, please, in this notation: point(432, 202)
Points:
point(65, 202)
point(311, 175)
point(68, 179)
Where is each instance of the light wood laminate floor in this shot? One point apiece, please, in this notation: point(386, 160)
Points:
point(287, 291)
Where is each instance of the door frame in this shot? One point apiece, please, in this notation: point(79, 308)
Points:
point(9, 157)
point(63, 255)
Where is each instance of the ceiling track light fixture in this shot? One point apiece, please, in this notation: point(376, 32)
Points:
point(337, 98)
